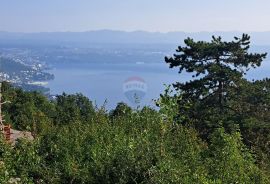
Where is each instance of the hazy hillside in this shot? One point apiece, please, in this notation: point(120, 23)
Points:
point(112, 37)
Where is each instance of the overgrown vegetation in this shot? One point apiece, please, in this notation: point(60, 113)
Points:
point(214, 129)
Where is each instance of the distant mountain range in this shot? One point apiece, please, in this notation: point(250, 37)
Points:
point(122, 37)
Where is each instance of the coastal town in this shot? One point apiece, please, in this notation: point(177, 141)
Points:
point(23, 70)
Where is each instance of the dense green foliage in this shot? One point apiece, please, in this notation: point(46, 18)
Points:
point(200, 133)
point(220, 96)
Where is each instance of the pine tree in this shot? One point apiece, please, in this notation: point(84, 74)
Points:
point(217, 67)
point(219, 63)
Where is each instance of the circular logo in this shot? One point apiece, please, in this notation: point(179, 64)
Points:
point(135, 89)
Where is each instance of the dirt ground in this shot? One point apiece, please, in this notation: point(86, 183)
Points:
point(15, 134)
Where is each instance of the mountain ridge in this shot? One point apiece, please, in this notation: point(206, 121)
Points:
point(116, 36)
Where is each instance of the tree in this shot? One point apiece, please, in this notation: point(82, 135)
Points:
point(220, 96)
point(229, 161)
point(27, 110)
point(217, 66)
point(121, 109)
point(72, 108)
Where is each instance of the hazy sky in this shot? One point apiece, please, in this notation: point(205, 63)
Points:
point(129, 15)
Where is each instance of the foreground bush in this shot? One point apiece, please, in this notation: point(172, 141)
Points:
point(140, 147)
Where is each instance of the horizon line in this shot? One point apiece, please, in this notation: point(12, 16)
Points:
point(134, 31)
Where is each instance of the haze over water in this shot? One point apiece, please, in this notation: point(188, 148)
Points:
point(102, 82)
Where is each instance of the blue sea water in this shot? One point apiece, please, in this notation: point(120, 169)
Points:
point(104, 82)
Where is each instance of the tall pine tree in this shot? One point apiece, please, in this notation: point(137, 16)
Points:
point(217, 67)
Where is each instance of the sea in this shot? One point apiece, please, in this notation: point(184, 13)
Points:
point(136, 84)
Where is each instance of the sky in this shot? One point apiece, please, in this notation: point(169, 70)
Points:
point(132, 15)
